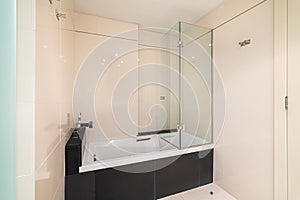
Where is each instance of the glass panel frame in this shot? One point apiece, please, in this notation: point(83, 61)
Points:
point(197, 71)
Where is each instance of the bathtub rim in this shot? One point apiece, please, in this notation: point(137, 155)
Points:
point(143, 158)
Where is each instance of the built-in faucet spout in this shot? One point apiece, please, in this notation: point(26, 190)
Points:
point(80, 124)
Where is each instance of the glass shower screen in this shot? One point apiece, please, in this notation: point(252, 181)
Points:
point(177, 104)
point(190, 55)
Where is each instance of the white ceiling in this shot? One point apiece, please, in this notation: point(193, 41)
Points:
point(148, 13)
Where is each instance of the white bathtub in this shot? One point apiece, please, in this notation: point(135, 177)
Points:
point(116, 153)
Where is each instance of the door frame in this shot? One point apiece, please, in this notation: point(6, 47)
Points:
point(280, 92)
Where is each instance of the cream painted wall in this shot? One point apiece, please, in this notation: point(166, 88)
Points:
point(25, 99)
point(244, 152)
point(154, 113)
point(226, 11)
point(104, 97)
point(54, 76)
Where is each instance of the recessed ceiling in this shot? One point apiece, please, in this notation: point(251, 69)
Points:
point(148, 13)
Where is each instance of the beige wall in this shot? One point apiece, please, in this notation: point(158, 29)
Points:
point(226, 11)
point(25, 98)
point(244, 152)
point(110, 128)
point(154, 113)
point(60, 51)
point(53, 103)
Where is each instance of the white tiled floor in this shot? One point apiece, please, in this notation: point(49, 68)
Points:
point(202, 193)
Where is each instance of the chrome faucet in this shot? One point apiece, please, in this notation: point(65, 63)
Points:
point(80, 124)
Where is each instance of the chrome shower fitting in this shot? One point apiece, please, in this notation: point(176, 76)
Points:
point(80, 124)
point(180, 127)
point(60, 15)
point(245, 42)
point(51, 1)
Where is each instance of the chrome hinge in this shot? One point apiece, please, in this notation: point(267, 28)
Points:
point(51, 1)
point(60, 15)
point(180, 127)
point(286, 102)
point(180, 43)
